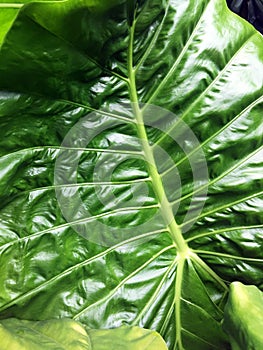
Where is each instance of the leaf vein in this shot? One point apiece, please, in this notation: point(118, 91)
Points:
point(178, 60)
point(155, 294)
point(220, 177)
point(66, 272)
point(80, 221)
point(223, 230)
point(223, 255)
point(226, 206)
point(209, 87)
point(107, 297)
point(201, 145)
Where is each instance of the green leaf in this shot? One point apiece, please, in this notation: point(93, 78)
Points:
point(243, 320)
point(66, 334)
point(8, 13)
point(113, 210)
point(126, 338)
point(44, 335)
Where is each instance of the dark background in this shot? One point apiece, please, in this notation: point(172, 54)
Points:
point(251, 10)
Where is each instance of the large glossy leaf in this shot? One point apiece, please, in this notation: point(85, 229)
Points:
point(243, 319)
point(66, 334)
point(130, 215)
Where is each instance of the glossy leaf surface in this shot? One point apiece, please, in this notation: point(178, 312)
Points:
point(171, 202)
point(66, 334)
point(243, 319)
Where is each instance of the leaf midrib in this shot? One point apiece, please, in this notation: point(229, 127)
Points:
point(158, 187)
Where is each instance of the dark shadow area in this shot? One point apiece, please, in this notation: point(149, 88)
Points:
point(251, 10)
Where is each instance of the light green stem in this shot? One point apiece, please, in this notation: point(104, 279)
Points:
point(11, 5)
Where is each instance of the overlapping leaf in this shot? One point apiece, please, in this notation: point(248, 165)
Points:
point(120, 258)
point(243, 318)
point(65, 334)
